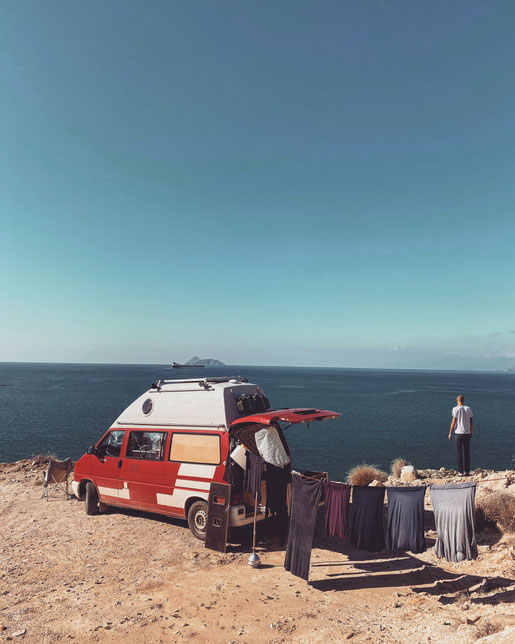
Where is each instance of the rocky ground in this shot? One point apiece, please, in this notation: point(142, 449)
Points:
point(134, 577)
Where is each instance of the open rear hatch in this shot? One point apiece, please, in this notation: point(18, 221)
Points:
point(291, 416)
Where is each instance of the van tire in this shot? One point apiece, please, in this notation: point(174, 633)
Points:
point(197, 519)
point(91, 498)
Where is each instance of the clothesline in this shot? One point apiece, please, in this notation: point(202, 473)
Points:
point(312, 478)
point(305, 476)
point(501, 478)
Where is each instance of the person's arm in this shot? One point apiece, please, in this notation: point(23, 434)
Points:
point(471, 425)
point(453, 425)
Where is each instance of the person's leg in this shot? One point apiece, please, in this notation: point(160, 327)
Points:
point(459, 451)
point(466, 449)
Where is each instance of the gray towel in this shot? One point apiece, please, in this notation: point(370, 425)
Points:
point(453, 506)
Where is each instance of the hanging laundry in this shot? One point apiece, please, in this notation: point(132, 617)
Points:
point(254, 474)
point(336, 499)
point(367, 531)
point(405, 529)
point(304, 505)
point(270, 446)
point(453, 506)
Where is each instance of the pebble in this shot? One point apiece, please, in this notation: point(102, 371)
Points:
point(20, 633)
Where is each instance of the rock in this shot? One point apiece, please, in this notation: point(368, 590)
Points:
point(408, 474)
point(375, 483)
point(348, 635)
point(20, 633)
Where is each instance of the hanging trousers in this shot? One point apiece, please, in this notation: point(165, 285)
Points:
point(304, 506)
point(463, 450)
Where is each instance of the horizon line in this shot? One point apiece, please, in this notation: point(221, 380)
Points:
point(151, 364)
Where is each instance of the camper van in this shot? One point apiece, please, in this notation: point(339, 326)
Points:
point(166, 449)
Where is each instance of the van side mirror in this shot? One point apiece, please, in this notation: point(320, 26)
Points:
point(91, 450)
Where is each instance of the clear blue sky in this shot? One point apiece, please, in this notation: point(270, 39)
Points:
point(265, 182)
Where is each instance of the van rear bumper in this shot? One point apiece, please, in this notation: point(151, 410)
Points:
point(238, 516)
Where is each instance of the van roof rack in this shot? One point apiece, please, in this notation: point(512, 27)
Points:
point(202, 382)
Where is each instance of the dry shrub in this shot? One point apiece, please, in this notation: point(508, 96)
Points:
point(486, 628)
point(42, 459)
point(496, 509)
point(364, 475)
point(396, 467)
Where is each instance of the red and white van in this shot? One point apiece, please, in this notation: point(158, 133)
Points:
point(164, 451)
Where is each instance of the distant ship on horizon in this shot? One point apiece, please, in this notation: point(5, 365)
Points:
point(176, 365)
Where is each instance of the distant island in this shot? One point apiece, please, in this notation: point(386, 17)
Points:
point(199, 362)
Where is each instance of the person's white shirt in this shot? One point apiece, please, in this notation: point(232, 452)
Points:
point(463, 414)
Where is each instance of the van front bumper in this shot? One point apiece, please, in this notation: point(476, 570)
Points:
point(239, 516)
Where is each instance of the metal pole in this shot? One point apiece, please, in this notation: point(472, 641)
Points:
point(254, 559)
point(255, 521)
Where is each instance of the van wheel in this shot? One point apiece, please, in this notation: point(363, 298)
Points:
point(91, 498)
point(197, 519)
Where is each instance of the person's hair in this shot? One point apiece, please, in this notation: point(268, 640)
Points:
point(461, 398)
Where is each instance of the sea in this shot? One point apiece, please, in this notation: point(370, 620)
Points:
point(61, 409)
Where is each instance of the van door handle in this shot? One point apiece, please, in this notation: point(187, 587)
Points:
point(119, 463)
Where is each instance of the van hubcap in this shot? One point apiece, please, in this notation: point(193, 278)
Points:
point(201, 520)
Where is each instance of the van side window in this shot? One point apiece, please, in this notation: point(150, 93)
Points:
point(195, 448)
point(111, 445)
point(147, 445)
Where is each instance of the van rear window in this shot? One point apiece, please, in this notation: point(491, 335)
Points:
point(195, 448)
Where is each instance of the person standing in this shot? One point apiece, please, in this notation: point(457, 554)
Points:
point(462, 424)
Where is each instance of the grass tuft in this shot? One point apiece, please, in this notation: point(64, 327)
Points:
point(364, 475)
point(486, 628)
point(397, 466)
point(496, 509)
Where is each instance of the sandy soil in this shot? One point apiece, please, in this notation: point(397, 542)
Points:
point(135, 577)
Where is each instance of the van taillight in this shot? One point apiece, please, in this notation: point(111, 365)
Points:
point(236, 498)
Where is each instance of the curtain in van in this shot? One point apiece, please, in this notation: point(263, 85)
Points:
point(270, 446)
point(304, 504)
point(405, 529)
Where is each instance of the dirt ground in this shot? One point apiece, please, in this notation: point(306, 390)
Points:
point(135, 577)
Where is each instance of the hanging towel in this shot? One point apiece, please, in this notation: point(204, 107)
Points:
point(254, 474)
point(453, 506)
point(406, 519)
point(367, 518)
point(336, 499)
point(270, 447)
point(304, 505)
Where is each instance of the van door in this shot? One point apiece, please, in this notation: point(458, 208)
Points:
point(105, 466)
point(142, 470)
point(194, 461)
